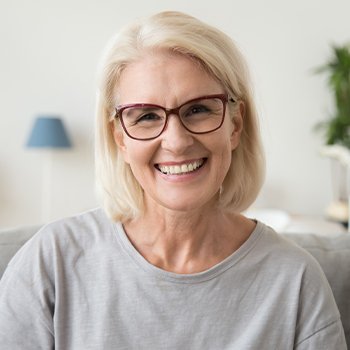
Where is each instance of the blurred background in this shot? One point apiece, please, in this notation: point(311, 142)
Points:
point(49, 54)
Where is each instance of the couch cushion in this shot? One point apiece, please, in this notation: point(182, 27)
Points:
point(11, 240)
point(333, 254)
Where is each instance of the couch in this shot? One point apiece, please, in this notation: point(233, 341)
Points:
point(332, 252)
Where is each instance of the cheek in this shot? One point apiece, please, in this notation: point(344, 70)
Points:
point(134, 152)
point(223, 151)
point(222, 162)
point(138, 155)
point(131, 156)
point(228, 143)
point(140, 162)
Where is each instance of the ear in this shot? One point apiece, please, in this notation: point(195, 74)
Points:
point(237, 122)
point(118, 136)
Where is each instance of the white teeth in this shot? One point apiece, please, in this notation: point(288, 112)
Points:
point(184, 168)
point(180, 169)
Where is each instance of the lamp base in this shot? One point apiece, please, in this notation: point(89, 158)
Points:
point(46, 187)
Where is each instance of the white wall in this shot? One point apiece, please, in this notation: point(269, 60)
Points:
point(48, 57)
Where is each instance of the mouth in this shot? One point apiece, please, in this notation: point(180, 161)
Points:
point(181, 169)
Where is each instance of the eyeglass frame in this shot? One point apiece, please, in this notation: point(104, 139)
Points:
point(168, 111)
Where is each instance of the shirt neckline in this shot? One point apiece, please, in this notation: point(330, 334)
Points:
point(198, 277)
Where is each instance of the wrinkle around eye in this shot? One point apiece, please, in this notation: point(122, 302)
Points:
point(148, 118)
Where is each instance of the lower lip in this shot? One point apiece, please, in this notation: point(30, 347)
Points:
point(183, 177)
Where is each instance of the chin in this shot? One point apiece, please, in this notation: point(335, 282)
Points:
point(186, 204)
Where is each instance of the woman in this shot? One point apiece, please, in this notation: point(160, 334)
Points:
point(174, 265)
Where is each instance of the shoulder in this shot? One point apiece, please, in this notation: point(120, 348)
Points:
point(284, 260)
point(281, 249)
point(297, 269)
point(90, 221)
point(89, 225)
point(65, 237)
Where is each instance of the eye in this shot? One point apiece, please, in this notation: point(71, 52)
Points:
point(141, 116)
point(148, 117)
point(197, 109)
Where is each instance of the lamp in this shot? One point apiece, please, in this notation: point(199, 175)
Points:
point(48, 133)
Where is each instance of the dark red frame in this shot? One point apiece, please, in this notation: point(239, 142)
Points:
point(168, 111)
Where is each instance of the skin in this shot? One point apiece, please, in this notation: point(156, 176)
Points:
point(181, 230)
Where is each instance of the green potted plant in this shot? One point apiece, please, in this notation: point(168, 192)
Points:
point(337, 127)
point(336, 130)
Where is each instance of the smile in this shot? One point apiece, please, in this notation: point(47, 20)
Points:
point(181, 168)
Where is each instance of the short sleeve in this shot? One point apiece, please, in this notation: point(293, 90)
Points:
point(331, 337)
point(26, 302)
point(319, 325)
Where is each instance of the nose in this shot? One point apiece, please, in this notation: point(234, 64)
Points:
point(175, 138)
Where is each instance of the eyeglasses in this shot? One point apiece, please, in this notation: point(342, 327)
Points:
point(202, 115)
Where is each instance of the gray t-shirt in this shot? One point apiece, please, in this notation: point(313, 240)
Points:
point(80, 284)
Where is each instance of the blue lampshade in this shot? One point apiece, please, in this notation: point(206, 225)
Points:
point(48, 132)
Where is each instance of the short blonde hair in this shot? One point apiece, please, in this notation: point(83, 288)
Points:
point(177, 32)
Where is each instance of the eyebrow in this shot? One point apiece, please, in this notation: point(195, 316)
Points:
point(140, 104)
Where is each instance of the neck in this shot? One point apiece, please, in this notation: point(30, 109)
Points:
point(187, 242)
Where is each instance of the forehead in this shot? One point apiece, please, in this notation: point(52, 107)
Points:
point(165, 78)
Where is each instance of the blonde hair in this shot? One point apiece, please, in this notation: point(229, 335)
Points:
point(177, 32)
